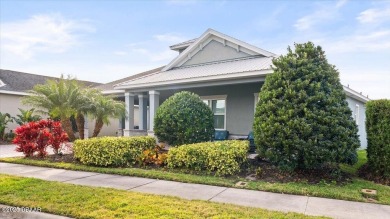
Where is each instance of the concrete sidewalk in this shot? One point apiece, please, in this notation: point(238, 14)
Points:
point(267, 200)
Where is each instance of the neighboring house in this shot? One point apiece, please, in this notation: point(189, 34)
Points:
point(15, 85)
point(225, 72)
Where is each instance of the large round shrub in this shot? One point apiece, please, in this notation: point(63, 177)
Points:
point(184, 119)
point(302, 119)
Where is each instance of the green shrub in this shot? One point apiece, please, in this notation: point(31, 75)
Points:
point(378, 136)
point(112, 151)
point(223, 157)
point(302, 119)
point(184, 119)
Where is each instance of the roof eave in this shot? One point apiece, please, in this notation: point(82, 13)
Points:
point(232, 76)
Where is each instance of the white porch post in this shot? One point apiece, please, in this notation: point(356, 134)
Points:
point(129, 124)
point(153, 105)
point(142, 112)
point(86, 128)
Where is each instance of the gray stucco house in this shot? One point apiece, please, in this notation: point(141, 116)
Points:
point(225, 72)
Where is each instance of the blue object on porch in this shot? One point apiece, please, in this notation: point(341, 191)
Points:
point(221, 135)
point(251, 138)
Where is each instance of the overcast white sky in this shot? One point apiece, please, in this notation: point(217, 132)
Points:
point(107, 40)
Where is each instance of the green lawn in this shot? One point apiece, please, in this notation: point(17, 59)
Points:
point(89, 202)
point(349, 191)
point(362, 159)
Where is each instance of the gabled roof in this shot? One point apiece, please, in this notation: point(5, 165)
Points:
point(15, 81)
point(205, 38)
point(110, 86)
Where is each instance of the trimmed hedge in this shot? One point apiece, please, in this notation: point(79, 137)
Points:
point(223, 157)
point(184, 119)
point(378, 136)
point(112, 151)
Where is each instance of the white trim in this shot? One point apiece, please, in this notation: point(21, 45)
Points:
point(113, 91)
point(1, 83)
point(238, 75)
point(153, 92)
point(129, 94)
point(209, 100)
point(210, 33)
point(214, 97)
point(355, 95)
point(14, 92)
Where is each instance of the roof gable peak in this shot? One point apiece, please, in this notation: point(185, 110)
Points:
point(208, 36)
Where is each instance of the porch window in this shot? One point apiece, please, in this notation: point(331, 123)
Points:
point(218, 106)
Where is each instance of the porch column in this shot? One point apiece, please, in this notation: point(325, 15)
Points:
point(129, 124)
point(153, 105)
point(142, 111)
point(86, 128)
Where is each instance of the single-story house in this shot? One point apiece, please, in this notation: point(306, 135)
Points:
point(14, 85)
point(225, 72)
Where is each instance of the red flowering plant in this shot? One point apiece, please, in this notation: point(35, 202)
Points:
point(37, 136)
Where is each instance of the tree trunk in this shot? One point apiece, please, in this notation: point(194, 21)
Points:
point(67, 125)
point(80, 124)
point(98, 127)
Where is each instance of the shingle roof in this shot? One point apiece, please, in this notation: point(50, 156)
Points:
point(110, 85)
point(227, 67)
point(22, 82)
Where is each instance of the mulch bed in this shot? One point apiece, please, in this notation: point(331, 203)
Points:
point(366, 173)
point(273, 174)
point(269, 172)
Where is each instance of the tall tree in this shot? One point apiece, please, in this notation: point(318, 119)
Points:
point(302, 119)
point(104, 108)
point(56, 98)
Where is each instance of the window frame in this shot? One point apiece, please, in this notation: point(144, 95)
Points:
point(357, 113)
point(209, 100)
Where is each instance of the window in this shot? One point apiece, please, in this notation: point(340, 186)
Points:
point(218, 106)
point(357, 114)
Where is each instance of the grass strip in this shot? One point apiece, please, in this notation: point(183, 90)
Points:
point(104, 203)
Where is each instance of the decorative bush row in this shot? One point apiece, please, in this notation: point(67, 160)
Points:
point(112, 151)
point(223, 157)
point(378, 136)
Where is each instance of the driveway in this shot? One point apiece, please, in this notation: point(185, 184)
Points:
point(9, 151)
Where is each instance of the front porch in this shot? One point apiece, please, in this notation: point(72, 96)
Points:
point(233, 106)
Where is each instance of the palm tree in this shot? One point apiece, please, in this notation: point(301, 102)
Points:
point(5, 118)
point(104, 108)
point(84, 105)
point(56, 98)
point(26, 116)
